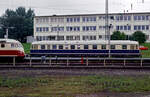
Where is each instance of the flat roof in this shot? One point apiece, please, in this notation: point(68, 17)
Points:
point(87, 42)
point(92, 14)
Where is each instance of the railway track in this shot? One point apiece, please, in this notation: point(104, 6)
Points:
point(77, 63)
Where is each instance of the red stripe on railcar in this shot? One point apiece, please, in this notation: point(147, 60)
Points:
point(12, 53)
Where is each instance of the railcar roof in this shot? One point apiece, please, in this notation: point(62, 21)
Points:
point(87, 42)
point(8, 40)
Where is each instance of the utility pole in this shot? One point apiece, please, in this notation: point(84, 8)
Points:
point(107, 27)
point(106, 20)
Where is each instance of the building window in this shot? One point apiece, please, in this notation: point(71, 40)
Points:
point(129, 27)
point(147, 27)
point(69, 37)
point(139, 17)
point(135, 27)
point(100, 36)
point(135, 18)
point(121, 17)
point(51, 37)
point(125, 27)
point(125, 18)
point(129, 18)
point(117, 18)
point(117, 28)
point(147, 17)
point(89, 28)
point(37, 29)
point(139, 27)
point(60, 37)
point(77, 37)
point(89, 19)
point(121, 27)
point(143, 27)
point(143, 17)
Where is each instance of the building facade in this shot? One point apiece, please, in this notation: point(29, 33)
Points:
point(89, 26)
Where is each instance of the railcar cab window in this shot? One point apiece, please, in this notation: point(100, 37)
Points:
point(2, 45)
point(12, 45)
point(103, 47)
point(35, 46)
point(124, 47)
point(72, 46)
point(42, 47)
point(86, 47)
point(94, 46)
point(112, 46)
point(132, 47)
point(60, 46)
point(54, 47)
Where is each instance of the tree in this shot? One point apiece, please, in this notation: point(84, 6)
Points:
point(117, 35)
point(21, 20)
point(139, 36)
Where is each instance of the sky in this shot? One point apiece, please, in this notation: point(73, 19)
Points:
point(65, 7)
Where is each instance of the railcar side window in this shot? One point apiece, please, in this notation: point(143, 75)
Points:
point(124, 47)
point(66, 47)
point(86, 47)
point(2, 45)
point(48, 47)
point(72, 46)
point(42, 47)
point(103, 47)
point(60, 46)
point(54, 47)
point(78, 46)
point(112, 46)
point(94, 46)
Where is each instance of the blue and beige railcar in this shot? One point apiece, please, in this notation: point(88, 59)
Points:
point(118, 48)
